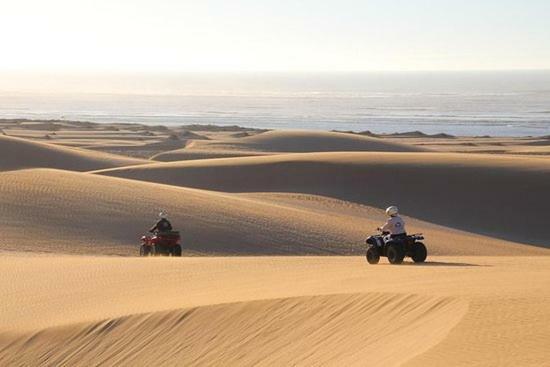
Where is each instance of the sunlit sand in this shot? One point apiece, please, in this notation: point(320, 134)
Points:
point(261, 205)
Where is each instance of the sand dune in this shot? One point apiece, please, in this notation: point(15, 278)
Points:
point(315, 141)
point(73, 212)
point(505, 197)
point(143, 150)
point(77, 212)
point(363, 324)
point(271, 142)
point(187, 154)
point(58, 309)
point(315, 311)
point(17, 153)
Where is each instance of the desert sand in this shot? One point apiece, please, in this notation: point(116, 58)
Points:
point(465, 311)
point(266, 217)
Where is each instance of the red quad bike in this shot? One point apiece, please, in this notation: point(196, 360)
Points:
point(396, 248)
point(162, 243)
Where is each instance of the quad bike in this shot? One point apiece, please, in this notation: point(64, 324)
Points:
point(160, 243)
point(396, 248)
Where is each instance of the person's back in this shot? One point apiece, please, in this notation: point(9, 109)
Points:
point(163, 225)
point(395, 225)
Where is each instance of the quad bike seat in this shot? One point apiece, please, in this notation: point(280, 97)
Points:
point(168, 233)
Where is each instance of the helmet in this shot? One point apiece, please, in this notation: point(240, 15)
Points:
point(392, 211)
point(162, 214)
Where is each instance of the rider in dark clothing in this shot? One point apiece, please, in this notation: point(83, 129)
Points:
point(163, 225)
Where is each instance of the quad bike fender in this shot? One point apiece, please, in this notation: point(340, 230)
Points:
point(371, 240)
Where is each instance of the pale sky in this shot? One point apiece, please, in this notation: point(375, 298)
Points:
point(275, 35)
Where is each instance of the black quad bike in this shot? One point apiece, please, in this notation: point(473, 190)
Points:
point(396, 248)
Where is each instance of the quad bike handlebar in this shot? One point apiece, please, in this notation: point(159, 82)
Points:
point(383, 232)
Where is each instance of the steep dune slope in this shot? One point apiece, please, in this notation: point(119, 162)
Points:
point(17, 153)
point(506, 197)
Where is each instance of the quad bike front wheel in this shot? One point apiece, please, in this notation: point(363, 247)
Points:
point(395, 253)
point(419, 252)
point(373, 255)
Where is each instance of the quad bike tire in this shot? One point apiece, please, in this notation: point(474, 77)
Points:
point(176, 251)
point(145, 250)
point(373, 255)
point(167, 250)
point(419, 252)
point(159, 251)
point(395, 253)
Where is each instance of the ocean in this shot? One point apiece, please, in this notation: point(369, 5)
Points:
point(458, 103)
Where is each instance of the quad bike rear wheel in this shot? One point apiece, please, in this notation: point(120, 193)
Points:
point(419, 252)
point(159, 250)
point(145, 250)
point(373, 255)
point(395, 253)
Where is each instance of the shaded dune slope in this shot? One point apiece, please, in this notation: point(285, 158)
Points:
point(17, 153)
point(351, 329)
point(505, 197)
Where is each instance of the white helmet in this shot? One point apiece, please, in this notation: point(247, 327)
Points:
point(162, 214)
point(392, 211)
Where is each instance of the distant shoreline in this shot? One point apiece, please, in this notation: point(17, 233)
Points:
point(57, 124)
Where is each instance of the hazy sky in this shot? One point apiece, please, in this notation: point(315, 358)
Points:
point(275, 35)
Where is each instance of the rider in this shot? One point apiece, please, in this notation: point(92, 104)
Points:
point(395, 225)
point(163, 225)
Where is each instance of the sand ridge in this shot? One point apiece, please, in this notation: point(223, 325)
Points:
point(297, 141)
point(277, 142)
point(188, 153)
point(199, 336)
point(316, 311)
point(17, 153)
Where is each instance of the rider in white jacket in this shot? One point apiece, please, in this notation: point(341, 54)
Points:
point(395, 224)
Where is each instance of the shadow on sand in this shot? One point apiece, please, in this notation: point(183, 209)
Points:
point(442, 263)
